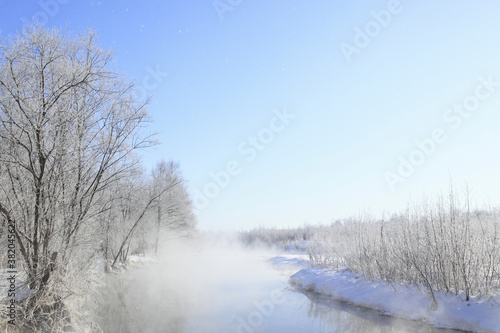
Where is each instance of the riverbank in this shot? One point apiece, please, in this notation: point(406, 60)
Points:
point(402, 301)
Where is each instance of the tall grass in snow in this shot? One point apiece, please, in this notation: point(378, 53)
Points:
point(442, 246)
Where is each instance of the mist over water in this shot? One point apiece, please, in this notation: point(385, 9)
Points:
point(188, 283)
point(209, 287)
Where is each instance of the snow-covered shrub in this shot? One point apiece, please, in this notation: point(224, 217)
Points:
point(441, 246)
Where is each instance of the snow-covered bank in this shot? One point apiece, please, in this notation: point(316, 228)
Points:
point(289, 262)
point(402, 301)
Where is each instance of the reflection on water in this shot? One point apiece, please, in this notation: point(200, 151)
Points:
point(227, 290)
point(335, 316)
point(129, 305)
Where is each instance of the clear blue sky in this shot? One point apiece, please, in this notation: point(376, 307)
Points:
point(358, 93)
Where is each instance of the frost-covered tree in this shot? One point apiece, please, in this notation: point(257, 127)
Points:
point(174, 210)
point(69, 126)
point(143, 209)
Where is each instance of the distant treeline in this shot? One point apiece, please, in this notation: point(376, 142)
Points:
point(272, 237)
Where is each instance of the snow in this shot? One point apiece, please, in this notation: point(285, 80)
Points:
point(136, 260)
point(289, 262)
point(298, 247)
point(132, 261)
point(399, 300)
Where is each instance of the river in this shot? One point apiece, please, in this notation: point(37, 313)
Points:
point(226, 289)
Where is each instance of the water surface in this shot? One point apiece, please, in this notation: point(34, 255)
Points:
point(228, 290)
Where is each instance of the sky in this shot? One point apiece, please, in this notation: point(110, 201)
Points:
point(282, 113)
